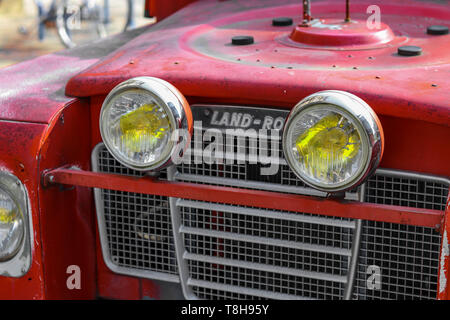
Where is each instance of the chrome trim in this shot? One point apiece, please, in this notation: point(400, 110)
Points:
point(266, 241)
point(351, 275)
point(266, 213)
point(364, 117)
point(170, 99)
point(245, 184)
point(248, 184)
point(20, 263)
point(394, 173)
point(265, 267)
point(183, 268)
point(104, 238)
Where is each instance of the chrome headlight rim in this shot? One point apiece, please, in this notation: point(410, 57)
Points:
point(169, 99)
point(19, 264)
point(361, 115)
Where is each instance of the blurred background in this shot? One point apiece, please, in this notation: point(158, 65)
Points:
point(29, 28)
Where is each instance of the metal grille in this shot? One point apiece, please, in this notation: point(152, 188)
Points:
point(137, 227)
point(238, 170)
point(271, 253)
point(236, 252)
point(213, 294)
point(407, 257)
point(243, 174)
point(406, 191)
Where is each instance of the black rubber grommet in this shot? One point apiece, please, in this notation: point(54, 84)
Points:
point(437, 30)
point(242, 40)
point(409, 51)
point(282, 22)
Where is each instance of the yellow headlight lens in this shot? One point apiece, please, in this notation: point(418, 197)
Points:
point(144, 123)
point(7, 215)
point(328, 146)
point(11, 227)
point(143, 128)
point(137, 127)
point(325, 146)
point(332, 140)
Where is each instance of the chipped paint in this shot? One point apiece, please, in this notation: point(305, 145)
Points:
point(443, 259)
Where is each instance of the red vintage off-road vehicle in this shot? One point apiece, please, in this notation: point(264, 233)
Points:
point(234, 149)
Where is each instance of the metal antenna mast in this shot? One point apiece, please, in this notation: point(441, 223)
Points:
point(347, 10)
point(306, 12)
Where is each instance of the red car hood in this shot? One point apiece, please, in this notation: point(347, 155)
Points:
point(33, 91)
point(192, 50)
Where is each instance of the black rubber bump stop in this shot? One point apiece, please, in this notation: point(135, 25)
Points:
point(409, 51)
point(242, 40)
point(437, 30)
point(282, 22)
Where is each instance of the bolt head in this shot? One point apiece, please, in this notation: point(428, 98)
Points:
point(242, 40)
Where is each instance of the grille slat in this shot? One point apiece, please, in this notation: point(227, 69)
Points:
point(230, 292)
point(264, 267)
point(264, 241)
point(288, 216)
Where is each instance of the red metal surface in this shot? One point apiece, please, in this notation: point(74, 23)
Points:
point(18, 149)
point(114, 286)
point(337, 34)
point(194, 54)
point(192, 51)
point(33, 91)
point(444, 261)
point(162, 9)
point(63, 227)
point(253, 198)
point(67, 214)
point(411, 145)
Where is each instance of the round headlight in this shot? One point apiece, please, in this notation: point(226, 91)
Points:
point(11, 226)
point(333, 140)
point(137, 121)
